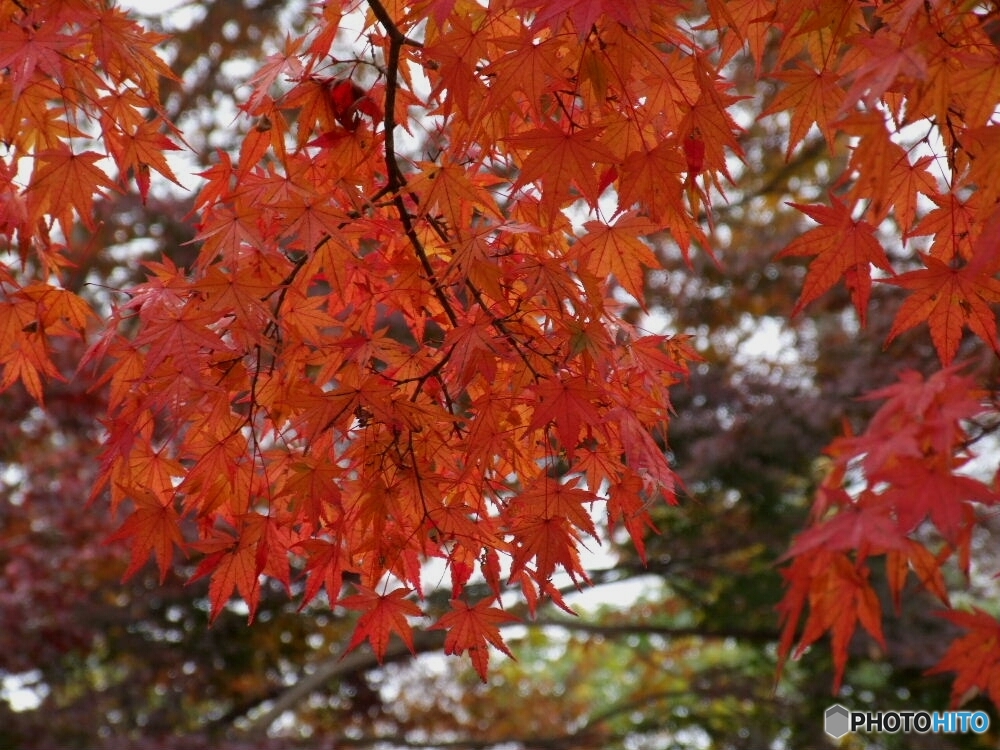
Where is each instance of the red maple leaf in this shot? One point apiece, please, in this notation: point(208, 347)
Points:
point(865, 524)
point(948, 299)
point(569, 404)
point(927, 567)
point(153, 527)
point(844, 248)
point(922, 489)
point(474, 629)
point(382, 615)
point(839, 596)
point(813, 97)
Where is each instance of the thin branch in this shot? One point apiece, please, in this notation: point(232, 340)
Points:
point(396, 179)
point(431, 641)
point(620, 630)
point(328, 669)
point(587, 735)
point(395, 35)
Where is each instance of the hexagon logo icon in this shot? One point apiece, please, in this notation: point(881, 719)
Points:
point(837, 721)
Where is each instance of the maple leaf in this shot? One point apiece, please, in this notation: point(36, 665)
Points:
point(27, 362)
point(618, 250)
point(529, 67)
point(182, 335)
point(839, 596)
point(382, 615)
point(921, 489)
point(456, 53)
point(889, 59)
point(569, 403)
point(31, 315)
point(953, 224)
point(974, 656)
point(948, 299)
point(916, 557)
point(474, 629)
point(905, 182)
point(643, 456)
point(139, 151)
point(983, 145)
point(452, 191)
point(63, 181)
point(866, 525)
point(650, 180)
point(33, 45)
point(558, 160)
point(627, 507)
point(325, 568)
point(272, 67)
point(844, 248)
point(238, 556)
point(232, 563)
point(748, 20)
point(127, 50)
point(153, 527)
point(814, 97)
point(471, 346)
point(581, 13)
point(549, 541)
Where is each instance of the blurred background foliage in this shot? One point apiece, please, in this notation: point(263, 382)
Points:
point(676, 653)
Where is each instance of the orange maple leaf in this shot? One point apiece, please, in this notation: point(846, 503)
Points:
point(559, 160)
point(31, 315)
point(63, 181)
point(232, 563)
point(127, 50)
point(954, 226)
point(844, 247)
point(474, 629)
point(974, 656)
point(749, 22)
point(618, 250)
point(383, 615)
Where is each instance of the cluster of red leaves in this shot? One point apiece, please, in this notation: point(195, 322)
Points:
point(378, 360)
point(866, 73)
point(906, 462)
point(388, 352)
point(868, 80)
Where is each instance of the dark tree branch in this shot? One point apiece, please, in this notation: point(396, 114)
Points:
point(340, 666)
point(621, 630)
point(359, 662)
